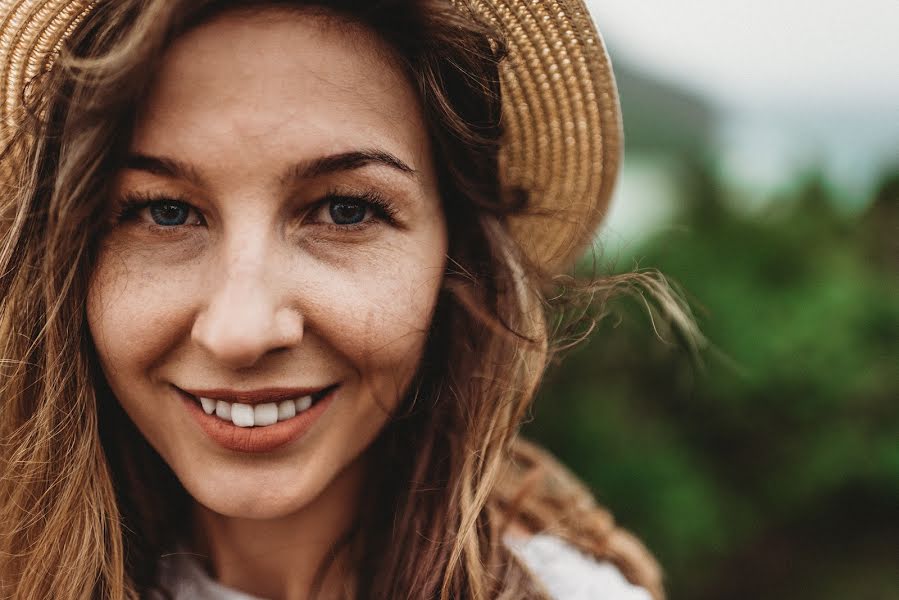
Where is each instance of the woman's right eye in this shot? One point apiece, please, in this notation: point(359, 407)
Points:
point(164, 213)
point(169, 214)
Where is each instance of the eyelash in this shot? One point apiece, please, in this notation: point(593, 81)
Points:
point(131, 205)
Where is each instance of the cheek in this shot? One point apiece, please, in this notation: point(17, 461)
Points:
point(379, 315)
point(131, 310)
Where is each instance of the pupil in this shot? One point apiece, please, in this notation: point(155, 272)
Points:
point(347, 212)
point(168, 214)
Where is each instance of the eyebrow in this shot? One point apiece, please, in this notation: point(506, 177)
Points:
point(165, 167)
point(324, 165)
point(347, 161)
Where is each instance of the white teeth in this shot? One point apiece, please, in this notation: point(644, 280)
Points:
point(242, 415)
point(265, 414)
point(286, 410)
point(223, 410)
point(208, 405)
point(303, 403)
point(259, 415)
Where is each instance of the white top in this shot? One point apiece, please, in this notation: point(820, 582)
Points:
point(567, 574)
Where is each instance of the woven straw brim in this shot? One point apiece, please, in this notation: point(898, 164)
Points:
point(560, 108)
point(562, 120)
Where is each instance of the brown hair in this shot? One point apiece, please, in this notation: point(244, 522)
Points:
point(82, 491)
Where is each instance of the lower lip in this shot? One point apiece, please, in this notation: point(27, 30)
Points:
point(256, 439)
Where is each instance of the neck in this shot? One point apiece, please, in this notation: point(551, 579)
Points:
point(280, 558)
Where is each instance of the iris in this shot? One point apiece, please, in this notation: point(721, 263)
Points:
point(347, 211)
point(169, 214)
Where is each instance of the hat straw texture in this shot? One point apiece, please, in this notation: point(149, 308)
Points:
point(31, 35)
point(561, 115)
point(562, 120)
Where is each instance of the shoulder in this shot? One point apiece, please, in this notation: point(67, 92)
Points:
point(569, 574)
point(569, 536)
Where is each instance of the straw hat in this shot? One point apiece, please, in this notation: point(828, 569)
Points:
point(560, 107)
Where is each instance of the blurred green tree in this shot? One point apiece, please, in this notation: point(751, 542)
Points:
point(772, 471)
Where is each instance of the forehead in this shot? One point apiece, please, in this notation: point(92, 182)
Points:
point(279, 78)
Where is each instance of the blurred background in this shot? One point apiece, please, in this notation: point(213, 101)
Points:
point(762, 175)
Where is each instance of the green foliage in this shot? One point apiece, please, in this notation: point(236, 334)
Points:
point(772, 469)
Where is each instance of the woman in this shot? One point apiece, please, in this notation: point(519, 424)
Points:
point(277, 290)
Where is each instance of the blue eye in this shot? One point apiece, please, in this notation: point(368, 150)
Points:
point(169, 214)
point(164, 212)
point(347, 211)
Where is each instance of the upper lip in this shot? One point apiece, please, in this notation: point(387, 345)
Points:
point(260, 396)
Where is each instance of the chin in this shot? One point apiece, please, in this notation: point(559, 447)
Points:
point(253, 498)
point(249, 490)
point(254, 507)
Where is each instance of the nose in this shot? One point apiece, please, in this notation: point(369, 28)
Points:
point(245, 318)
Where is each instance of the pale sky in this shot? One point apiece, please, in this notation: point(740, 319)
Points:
point(796, 82)
point(764, 52)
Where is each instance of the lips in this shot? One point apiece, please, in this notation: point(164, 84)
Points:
point(239, 432)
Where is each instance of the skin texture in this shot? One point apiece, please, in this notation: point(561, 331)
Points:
point(257, 288)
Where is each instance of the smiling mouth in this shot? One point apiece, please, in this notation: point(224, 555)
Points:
point(261, 414)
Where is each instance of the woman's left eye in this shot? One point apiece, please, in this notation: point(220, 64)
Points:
point(348, 211)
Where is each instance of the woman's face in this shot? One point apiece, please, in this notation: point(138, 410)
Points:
point(276, 239)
